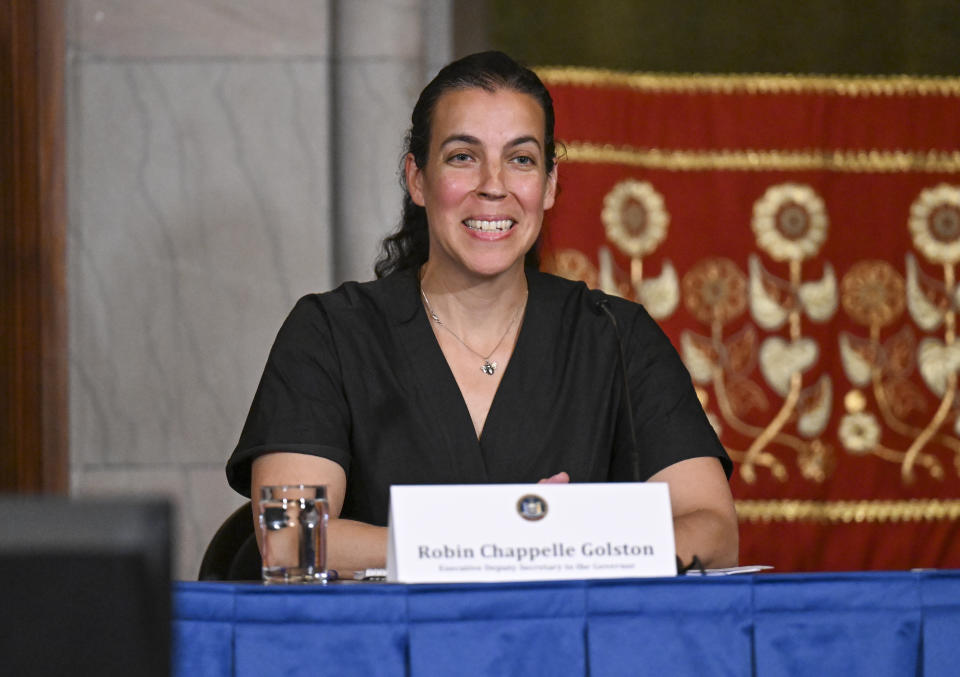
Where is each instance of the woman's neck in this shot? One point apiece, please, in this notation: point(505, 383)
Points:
point(471, 307)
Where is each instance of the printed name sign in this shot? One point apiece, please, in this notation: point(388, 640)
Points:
point(523, 532)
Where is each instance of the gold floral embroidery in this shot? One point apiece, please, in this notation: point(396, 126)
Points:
point(636, 221)
point(634, 217)
point(893, 85)
point(859, 432)
point(790, 222)
point(855, 401)
point(715, 291)
point(573, 265)
point(935, 223)
point(872, 293)
point(830, 160)
point(886, 368)
point(817, 461)
point(835, 512)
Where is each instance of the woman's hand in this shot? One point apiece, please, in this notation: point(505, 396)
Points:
point(559, 478)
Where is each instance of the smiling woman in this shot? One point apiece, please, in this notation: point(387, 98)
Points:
point(463, 363)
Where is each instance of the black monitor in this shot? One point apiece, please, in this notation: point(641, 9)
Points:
point(84, 586)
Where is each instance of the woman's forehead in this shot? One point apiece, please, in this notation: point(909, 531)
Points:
point(463, 111)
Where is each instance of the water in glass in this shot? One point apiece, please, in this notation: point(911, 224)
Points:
point(293, 527)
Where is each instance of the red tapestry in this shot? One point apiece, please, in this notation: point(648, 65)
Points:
point(797, 238)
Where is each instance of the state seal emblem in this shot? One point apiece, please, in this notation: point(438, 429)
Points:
point(532, 507)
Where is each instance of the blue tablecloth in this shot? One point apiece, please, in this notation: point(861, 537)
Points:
point(890, 623)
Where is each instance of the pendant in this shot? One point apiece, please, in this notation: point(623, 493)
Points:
point(488, 367)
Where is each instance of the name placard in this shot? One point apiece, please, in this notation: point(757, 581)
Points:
point(522, 532)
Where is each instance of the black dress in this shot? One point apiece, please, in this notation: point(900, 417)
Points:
point(356, 376)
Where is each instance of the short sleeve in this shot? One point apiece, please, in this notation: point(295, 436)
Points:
point(669, 421)
point(299, 405)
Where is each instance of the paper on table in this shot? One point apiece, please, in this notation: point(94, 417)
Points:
point(370, 575)
point(729, 571)
point(381, 574)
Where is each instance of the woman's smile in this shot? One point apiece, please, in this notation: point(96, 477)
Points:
point(489, 225)
point(490, 230)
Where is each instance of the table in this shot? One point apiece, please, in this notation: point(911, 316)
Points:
point(874, 623)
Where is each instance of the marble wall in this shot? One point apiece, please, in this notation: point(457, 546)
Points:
point(224, 158)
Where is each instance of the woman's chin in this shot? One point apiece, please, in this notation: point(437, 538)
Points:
point(490, 267)
point(480, 260)
point(496, 260)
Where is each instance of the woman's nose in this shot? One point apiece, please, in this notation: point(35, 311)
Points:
point(491, 184)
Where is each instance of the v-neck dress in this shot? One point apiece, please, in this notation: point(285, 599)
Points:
point(356, 376)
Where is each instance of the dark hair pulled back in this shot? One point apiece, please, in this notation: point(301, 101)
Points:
point(409, 245)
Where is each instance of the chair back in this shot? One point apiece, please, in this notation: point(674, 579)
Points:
point(232, 554)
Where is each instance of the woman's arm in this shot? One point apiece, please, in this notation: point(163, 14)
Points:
point(704, 519)
point(350, 545)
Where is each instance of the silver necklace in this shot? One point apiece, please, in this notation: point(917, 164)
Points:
point(489, 368)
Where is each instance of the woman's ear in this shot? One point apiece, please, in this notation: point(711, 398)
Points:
point(414, 177)
point(550, 194)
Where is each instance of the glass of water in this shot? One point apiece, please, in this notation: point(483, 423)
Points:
point(293, 527)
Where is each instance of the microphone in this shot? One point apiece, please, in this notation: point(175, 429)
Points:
point(602, 305)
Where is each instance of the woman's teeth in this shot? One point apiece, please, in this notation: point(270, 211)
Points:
point(488, 226)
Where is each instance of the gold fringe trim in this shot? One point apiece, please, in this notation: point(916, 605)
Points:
point(850, 161)
point(849, 512)
point(694, 83)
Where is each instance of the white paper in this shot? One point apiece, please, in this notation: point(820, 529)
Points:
point(730, 571)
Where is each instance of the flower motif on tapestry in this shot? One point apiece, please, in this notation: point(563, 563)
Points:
point(875, 295)
point(634, 217)
point(715, 291)
point(872, 293)
point(859, 432)
point(935, 223)
point(572, 264)
point(790, 222)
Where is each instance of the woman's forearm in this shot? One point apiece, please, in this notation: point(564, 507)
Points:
point(355, 545)
point(712, 537)
point(704, 517)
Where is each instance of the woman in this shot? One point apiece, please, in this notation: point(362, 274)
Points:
point(461, 364)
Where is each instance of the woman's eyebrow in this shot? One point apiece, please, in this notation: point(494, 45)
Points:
point(461, 138)
point(474, 141)
point(520, 140)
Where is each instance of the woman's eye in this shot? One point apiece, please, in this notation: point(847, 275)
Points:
point(524, 160)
